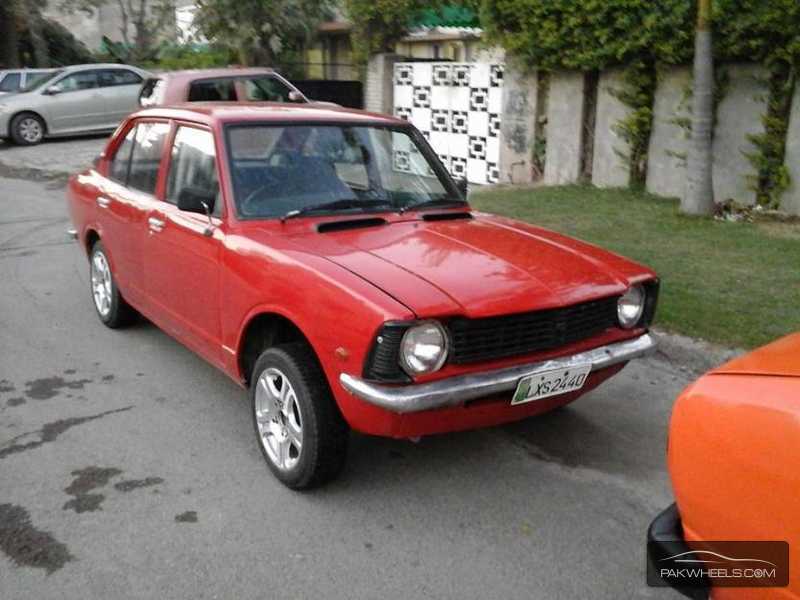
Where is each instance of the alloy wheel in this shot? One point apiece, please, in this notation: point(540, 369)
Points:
point(278, 417)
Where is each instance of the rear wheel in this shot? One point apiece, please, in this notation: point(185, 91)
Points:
point(111, 307)
point(300, 431)
point(27, 129)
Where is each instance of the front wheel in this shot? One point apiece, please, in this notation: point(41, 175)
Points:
point(111, 307)
point(27, 129)
point(300, 431)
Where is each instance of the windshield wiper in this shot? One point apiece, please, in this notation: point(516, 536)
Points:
point(444, 202)
point(335, 205)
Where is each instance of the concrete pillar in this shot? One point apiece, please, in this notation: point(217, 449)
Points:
point(739, 114)
point(790, 202)
point(564, 128)
point(611, 161)
point(379, 93)
point(517, 124)
point(669, 138)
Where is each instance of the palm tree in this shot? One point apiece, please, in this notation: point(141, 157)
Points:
point(699, 197)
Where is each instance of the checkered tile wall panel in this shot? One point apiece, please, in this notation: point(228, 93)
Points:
point(457, 107)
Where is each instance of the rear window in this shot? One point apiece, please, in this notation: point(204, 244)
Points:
point(114, 77)
point(146, 156)
point(212, 90)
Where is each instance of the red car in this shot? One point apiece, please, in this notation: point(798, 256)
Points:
point(325, 259)
point(232, 84)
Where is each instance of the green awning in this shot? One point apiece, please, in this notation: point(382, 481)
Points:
point(449, 16)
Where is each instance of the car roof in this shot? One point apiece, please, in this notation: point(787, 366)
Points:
point(194, 74)
point(210, 113)
point(91, 66)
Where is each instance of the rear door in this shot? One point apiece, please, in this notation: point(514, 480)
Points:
point(126, 197)
point(182, 250)
point(120, 89)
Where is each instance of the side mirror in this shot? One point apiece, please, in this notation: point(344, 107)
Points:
point(52, 90)
point(196, 200)
point(200, 201)
point(295, 96)
point(463, 187)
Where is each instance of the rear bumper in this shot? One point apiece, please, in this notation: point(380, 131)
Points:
point(458, 390)
point(665, 539)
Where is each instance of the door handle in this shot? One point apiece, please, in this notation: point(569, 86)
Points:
point(103, 202)
point(156, 225)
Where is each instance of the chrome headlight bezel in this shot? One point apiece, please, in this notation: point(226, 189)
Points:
point(631, 306)
point(415, 363)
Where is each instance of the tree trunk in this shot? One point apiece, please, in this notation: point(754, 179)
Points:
point(699, 198)
point(9, 44)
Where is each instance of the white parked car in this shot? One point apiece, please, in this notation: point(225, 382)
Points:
point(77, 99)
point(13, 80)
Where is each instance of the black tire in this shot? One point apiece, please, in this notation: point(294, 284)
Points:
point(119, 313)
point(324, 431)
point(23, 128)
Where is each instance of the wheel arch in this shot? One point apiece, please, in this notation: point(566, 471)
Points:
point(28, 111)
point(264, 330)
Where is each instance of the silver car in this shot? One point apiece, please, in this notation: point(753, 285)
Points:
point(13, 80)
point(78, 99)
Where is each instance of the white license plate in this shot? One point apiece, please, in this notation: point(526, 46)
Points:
point(550, 383)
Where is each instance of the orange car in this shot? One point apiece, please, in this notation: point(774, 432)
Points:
point(734, 460)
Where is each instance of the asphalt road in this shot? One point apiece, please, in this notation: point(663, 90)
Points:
point(129, 469)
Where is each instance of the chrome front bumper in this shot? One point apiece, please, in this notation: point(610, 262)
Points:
point(458, 390)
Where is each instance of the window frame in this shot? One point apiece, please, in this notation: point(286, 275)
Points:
point(166, 166)
point(73, 73)
point(112, 69)
point(444, 176)
point(19, 75)
point(120, 139)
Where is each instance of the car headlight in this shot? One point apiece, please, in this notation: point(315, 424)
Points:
point(423, 348)
point(630, 307)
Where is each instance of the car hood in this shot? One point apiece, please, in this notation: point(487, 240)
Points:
point(477, 267)
point(780, 358)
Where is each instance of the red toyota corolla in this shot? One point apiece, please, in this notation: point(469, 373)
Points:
point(325, 259)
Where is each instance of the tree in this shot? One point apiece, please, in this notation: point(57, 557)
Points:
point(262, 32)
point(9, 51)
point(142, 23)
point(699, 198)
point(379, 24)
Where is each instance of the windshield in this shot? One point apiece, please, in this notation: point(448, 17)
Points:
point(34, 81)
point(280, 169)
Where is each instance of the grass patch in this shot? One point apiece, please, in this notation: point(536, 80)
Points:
point(736, 284)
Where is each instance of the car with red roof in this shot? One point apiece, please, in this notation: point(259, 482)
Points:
point(231, 84)
point(324, 259)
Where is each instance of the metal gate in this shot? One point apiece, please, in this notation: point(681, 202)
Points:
point(457, 107)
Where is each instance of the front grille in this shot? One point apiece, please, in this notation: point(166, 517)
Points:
point(474, 340)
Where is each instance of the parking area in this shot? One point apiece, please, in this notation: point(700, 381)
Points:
point(56, 157)
point(128, 468)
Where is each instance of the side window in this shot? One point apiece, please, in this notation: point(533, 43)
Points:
point(113, 77)
point(122, 158)
point(268, 89)
point(212, 90)
point(193, 168)
point(11, 82)
point(78, 81)
point(146, 157)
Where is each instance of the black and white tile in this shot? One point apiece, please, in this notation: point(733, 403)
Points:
point(457, 108)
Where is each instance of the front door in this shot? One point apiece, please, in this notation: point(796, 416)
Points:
point(75, 103)
point(182, 249)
